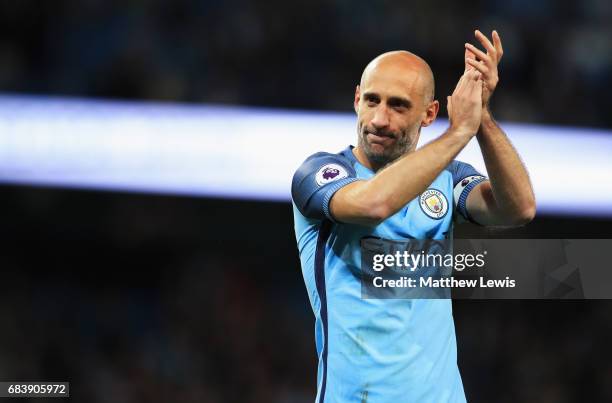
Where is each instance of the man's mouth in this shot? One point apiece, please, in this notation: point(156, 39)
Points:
point(379, 137)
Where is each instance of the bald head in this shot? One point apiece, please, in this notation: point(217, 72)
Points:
point(403, 64)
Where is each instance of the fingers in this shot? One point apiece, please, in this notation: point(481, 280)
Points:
point(498, 45)
point(473, 75)
point(467, 84)
point(471, 79)
point(485, 42)
point(460, 83)
point(468, 81)
point(480, 66)
point(477, 89)
point(465, 105)
point(468, 55)
point(479, 53)
point(468, 75)
point(494, 49)
point(474, 80)
point(485, 63)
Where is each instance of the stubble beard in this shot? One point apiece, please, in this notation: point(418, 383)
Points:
point(402, 145)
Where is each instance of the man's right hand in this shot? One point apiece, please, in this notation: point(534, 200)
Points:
point(465, 104)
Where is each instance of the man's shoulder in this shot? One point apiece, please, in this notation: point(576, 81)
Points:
point(461, 170)
point(318, 178)
point(343, 156)
point(339, 162)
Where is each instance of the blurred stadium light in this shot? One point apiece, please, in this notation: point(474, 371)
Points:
point(250, 153)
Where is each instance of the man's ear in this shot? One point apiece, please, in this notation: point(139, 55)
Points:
point(430, 113)
point(356, 101)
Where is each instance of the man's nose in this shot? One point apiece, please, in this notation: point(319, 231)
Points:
point(381, 118)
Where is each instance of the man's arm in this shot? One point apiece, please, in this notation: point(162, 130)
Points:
point(508, 198)
point(371, 202)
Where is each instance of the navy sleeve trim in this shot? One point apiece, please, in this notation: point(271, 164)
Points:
point(462, 200)
point(465, 178)
point(332, 189)
point(316, 181)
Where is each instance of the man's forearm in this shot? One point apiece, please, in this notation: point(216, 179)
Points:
point(402, 181)
point(510, 184)
point(399, 183)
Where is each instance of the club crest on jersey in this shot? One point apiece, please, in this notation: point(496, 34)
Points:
point(329, 173)
point(433, 203)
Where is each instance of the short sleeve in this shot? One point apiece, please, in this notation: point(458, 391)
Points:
point(316, 181)
point(465, 178)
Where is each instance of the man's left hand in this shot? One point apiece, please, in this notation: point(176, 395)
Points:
point(485, 63)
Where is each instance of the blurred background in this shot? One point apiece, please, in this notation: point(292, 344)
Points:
point(137, 297)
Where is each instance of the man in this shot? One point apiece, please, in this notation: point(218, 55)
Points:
point(400, 350)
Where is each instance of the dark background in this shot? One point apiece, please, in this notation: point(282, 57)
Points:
point(143, 298)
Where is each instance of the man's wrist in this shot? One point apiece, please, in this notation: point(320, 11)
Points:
point(486, 121)
point(461, 133)
point(486, 116)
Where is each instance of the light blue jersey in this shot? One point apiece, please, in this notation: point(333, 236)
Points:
point(376, 350)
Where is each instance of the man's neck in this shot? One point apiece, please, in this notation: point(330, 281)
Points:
point(364, 160)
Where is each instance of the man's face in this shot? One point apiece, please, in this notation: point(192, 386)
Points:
point(391, 107)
